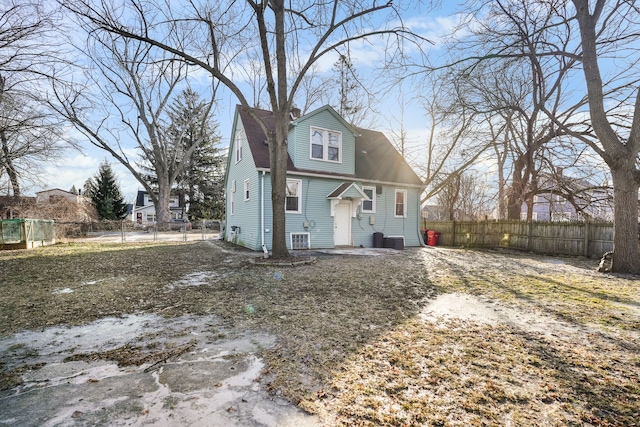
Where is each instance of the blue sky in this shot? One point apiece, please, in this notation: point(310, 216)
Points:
point(76, 167)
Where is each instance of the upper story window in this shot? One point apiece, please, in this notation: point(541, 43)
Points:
point(293, 197)
point(238, 145)
point(232, 192)
point(369, 206)
point(401, 204)
point(326, 145)
point(246, 189)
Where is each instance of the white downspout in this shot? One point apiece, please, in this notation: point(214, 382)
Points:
point(264, 248)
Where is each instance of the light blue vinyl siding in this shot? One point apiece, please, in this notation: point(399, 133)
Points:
point(315, 207)
point(316, 212)
point(385, 220)
point(246, 213)
point(300, 143)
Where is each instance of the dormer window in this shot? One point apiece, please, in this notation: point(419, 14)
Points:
point(326, 145)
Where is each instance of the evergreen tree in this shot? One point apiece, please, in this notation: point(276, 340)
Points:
point(201, 181)
point(104, 192)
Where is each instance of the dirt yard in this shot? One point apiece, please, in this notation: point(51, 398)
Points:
point(423, 336)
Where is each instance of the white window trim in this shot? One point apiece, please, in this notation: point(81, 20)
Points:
point(246, 190)
point(404, 207)
point(325, 144)
point(238, 146)
point(299, 181)
point(231, 204)
point(373, 199)
point(302, 234)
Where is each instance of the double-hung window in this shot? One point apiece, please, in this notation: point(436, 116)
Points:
point(246, 189)
point(326, 145)
point(238, 146)
point(232, 192)
point(401, 204)
point(293, 203)
point(369, 206)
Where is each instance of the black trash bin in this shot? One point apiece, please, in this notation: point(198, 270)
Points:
point(378, 240)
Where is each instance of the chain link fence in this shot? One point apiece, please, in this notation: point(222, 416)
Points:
point(129, 231)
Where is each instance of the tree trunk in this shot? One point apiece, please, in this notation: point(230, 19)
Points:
point(163, 214)
point(517, 190)
point(278, 148)
point(278, 154)
point(8, 165)
point(626, 257)
point(620, 155)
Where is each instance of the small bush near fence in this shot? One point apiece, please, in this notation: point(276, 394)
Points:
point(561, 238)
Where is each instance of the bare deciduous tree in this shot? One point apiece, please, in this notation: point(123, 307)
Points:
point(29, 132)
point(605, 26)
point(289, 38)
point(516, 80)
point(559, 38)
point(136, 83)
point(456, 137)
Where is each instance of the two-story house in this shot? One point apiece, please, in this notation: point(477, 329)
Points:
point(343, 185)
point(55, 195)
point(564, 198)
point(144, 211)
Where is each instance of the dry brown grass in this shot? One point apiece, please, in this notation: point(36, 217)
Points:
point(352, 345)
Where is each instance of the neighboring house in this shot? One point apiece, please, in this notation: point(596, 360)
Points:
point(144, 211)
point(550, 204)
point(343, 185)
point(55, 195)
point(13, 207)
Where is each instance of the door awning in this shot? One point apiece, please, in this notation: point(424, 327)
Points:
point(347, 191)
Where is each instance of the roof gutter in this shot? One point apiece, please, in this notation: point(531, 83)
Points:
point(345, 177)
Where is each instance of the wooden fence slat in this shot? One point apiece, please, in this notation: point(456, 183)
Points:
point(562, 238)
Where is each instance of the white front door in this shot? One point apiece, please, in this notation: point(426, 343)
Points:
point(342, 224)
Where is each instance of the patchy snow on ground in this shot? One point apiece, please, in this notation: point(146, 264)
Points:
point(473, 309)
point(214, 383)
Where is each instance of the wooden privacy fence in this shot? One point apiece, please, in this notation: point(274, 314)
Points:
point(588, 239)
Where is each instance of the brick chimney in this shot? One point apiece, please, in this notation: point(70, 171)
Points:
point(294, 113)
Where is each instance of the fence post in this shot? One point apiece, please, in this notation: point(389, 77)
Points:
point(586, 237)
point(453, 232)
point(122, 231)
point(529, 234)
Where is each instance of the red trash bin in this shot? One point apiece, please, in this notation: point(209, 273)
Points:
point(432, 238)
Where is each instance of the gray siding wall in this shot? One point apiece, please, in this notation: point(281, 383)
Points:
point(300, 144)
point(246, 212)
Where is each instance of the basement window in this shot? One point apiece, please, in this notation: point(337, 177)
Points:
point(300, 241)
